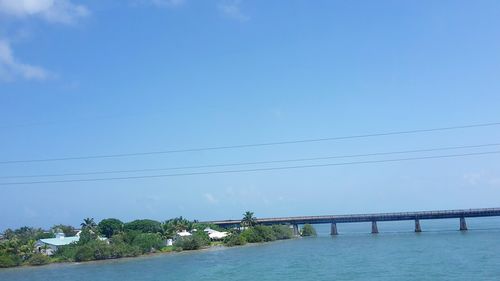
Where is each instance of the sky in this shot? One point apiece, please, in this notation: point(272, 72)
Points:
point(107, 77)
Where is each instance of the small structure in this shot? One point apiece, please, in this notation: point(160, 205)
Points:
point(215, 235)
point(183, 233)
point(50, 245)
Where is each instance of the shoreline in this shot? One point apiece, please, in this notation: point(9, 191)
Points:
point(143, 256)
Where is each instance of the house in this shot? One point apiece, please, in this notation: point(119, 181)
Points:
point(215, 235)
point(183, 233)
point(50, 245)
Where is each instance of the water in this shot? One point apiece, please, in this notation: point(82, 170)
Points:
point(439, 253)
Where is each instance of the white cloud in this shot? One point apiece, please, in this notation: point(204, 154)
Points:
point(11, 68)
point(56, 11)
point(232, 9)
point(210, 198)
point(473, 178)
point(483, 178)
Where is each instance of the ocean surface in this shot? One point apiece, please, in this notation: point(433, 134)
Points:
point(441, 252)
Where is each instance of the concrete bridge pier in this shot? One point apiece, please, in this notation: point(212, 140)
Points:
point(463, 224)
point(417, 226)
point(374, 227)
point(333, 229)
point(296, 231)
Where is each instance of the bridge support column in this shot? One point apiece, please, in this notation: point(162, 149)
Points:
point(463, 224)
point(417, 226)
point(333, 229)
point(296, 231)
point(374, 227)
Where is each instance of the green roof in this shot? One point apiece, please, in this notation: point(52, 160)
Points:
point(60, 241)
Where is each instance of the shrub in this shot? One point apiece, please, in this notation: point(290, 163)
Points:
point(234, 240)
point(259, 233)
point(84, 252)
point(144, 226)
point(196, 241)
point(251, 236)
point(109, 227)
point(9, 260)
point(66, 253)
point(38, 259)
point(308, 230)
point(148, 242)
point(282, 232)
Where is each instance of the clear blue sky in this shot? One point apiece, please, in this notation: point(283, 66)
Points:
point(111, 77)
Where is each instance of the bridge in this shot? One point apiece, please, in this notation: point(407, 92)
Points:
point(373, 218)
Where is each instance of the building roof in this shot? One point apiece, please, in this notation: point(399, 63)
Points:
point(61, 241)
point(183, 233)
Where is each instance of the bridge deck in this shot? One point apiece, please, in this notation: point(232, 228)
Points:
point(423, 215)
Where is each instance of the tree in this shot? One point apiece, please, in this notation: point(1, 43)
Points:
point(68, 230)
point(308, 230)
point(144, 226)
point(248, 219)
point(27, 250)
point(88, 223)
point(172, 226)
point(86, 236)
point(110, 227)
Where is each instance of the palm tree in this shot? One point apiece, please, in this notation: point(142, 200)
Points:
point(88, 223)
point(248, 219)
point(27, 250)
point(175, 225)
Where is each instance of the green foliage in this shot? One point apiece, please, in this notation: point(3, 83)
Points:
point(251, 236)
point(282, 232)
point(167, 249)
point(9, 260)
point(92, 250)
point(8, 234)
point(86, 236)
point(38, 259)
point(172, 226)
point(148, 242)
point(126, 240)
point(202, 226)
point(68, 230)
point(198, 240)
point(234, 240)
point(66, 253)
point(144, 226)
point(110, 227)
point(259, 234)
point(44, 235)
point(88, 223)
point(308, 230)
point(96, 250)
point(248, 219)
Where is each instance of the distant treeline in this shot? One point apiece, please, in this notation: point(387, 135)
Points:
point(130, 239)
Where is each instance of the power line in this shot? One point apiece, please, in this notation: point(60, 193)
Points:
point(254, 163)
point(251, 145)
point(253, 170)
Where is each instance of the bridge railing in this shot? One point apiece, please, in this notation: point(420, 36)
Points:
point(375, 217)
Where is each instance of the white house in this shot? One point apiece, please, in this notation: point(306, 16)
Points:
point(50, 245)
point(183, 233)
point(215, 235)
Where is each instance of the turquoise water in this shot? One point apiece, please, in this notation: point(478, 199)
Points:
point(439, 253)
